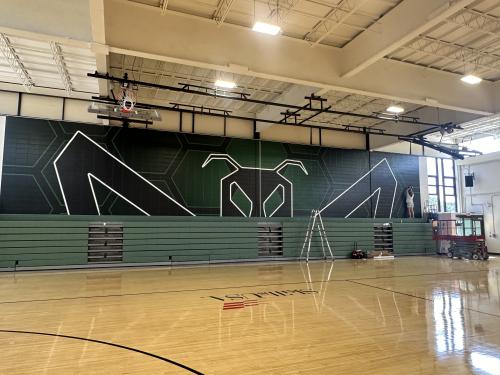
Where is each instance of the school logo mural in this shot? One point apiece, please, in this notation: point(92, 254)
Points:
point(272, 194)
point(53, 167)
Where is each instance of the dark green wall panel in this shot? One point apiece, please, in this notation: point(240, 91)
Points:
point(130, 160)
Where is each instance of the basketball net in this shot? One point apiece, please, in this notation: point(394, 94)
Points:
point(127, 99)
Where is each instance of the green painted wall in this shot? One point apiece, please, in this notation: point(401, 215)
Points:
point(52, 240)
point(409, 239)
point(338, 180)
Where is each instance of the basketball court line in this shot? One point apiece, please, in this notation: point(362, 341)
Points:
point(416, 275)
point(419, 297)
point(187, 368)
point(232, 287)
point(193, 371)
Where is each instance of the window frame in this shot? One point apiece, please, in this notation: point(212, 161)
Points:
point(443, 199)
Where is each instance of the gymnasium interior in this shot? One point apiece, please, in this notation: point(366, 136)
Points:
point(274, 187)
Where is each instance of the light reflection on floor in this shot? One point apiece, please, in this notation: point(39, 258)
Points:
point(448, 322)
point(421, 315)
point(485, 362)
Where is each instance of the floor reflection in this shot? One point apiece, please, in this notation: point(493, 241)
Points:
point(323, 280)
point(486, 363)
point(458, 320)
point(448, 321)
point(412, 316)
point(494, 285)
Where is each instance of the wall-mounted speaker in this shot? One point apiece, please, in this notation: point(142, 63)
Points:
point(469, 181)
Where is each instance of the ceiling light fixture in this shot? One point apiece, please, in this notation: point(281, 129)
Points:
point(395, 109)
point(225, 84)
point(386, 116)
point(471, 79)
point(266, 28)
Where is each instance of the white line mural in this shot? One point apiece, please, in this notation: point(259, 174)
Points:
point(259, 185)
point(379, 190)
point(79, 157)
point(268, 192)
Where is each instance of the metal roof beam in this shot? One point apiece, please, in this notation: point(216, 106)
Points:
point(477, 21)
point(333, 20)
point(15, 63)
point(328, 3)
point(61, 67)
point(398, 27)
point(454, 52)
point(219, 49)
point(222, 10)
point(164, 6)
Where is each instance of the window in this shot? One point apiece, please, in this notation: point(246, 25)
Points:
point(441, 185)
point(486, 145)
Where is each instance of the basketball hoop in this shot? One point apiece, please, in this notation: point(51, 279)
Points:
point(127, 100)
point(122, 106)
point(116, 110)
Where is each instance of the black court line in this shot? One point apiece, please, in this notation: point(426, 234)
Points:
point(417, 274)
point(229, 287)
point(187, 368)
point(419, 297)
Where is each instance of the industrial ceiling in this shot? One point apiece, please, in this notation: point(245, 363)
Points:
point(454, 39)
point(469, 37)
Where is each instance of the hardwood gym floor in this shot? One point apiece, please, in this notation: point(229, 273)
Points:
point(411, 315)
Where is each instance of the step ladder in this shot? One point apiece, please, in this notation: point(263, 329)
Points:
point(316, 223)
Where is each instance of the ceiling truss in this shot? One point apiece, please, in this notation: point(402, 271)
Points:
point(316, 21)
point(164, 6)
point(477, 21)
point(61, 66)
point(15, 62)
point(466, 42)
point(223, 8)
point(462, 57)
point(333, 20)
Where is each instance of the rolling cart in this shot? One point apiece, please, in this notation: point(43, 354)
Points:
point(463, 236)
